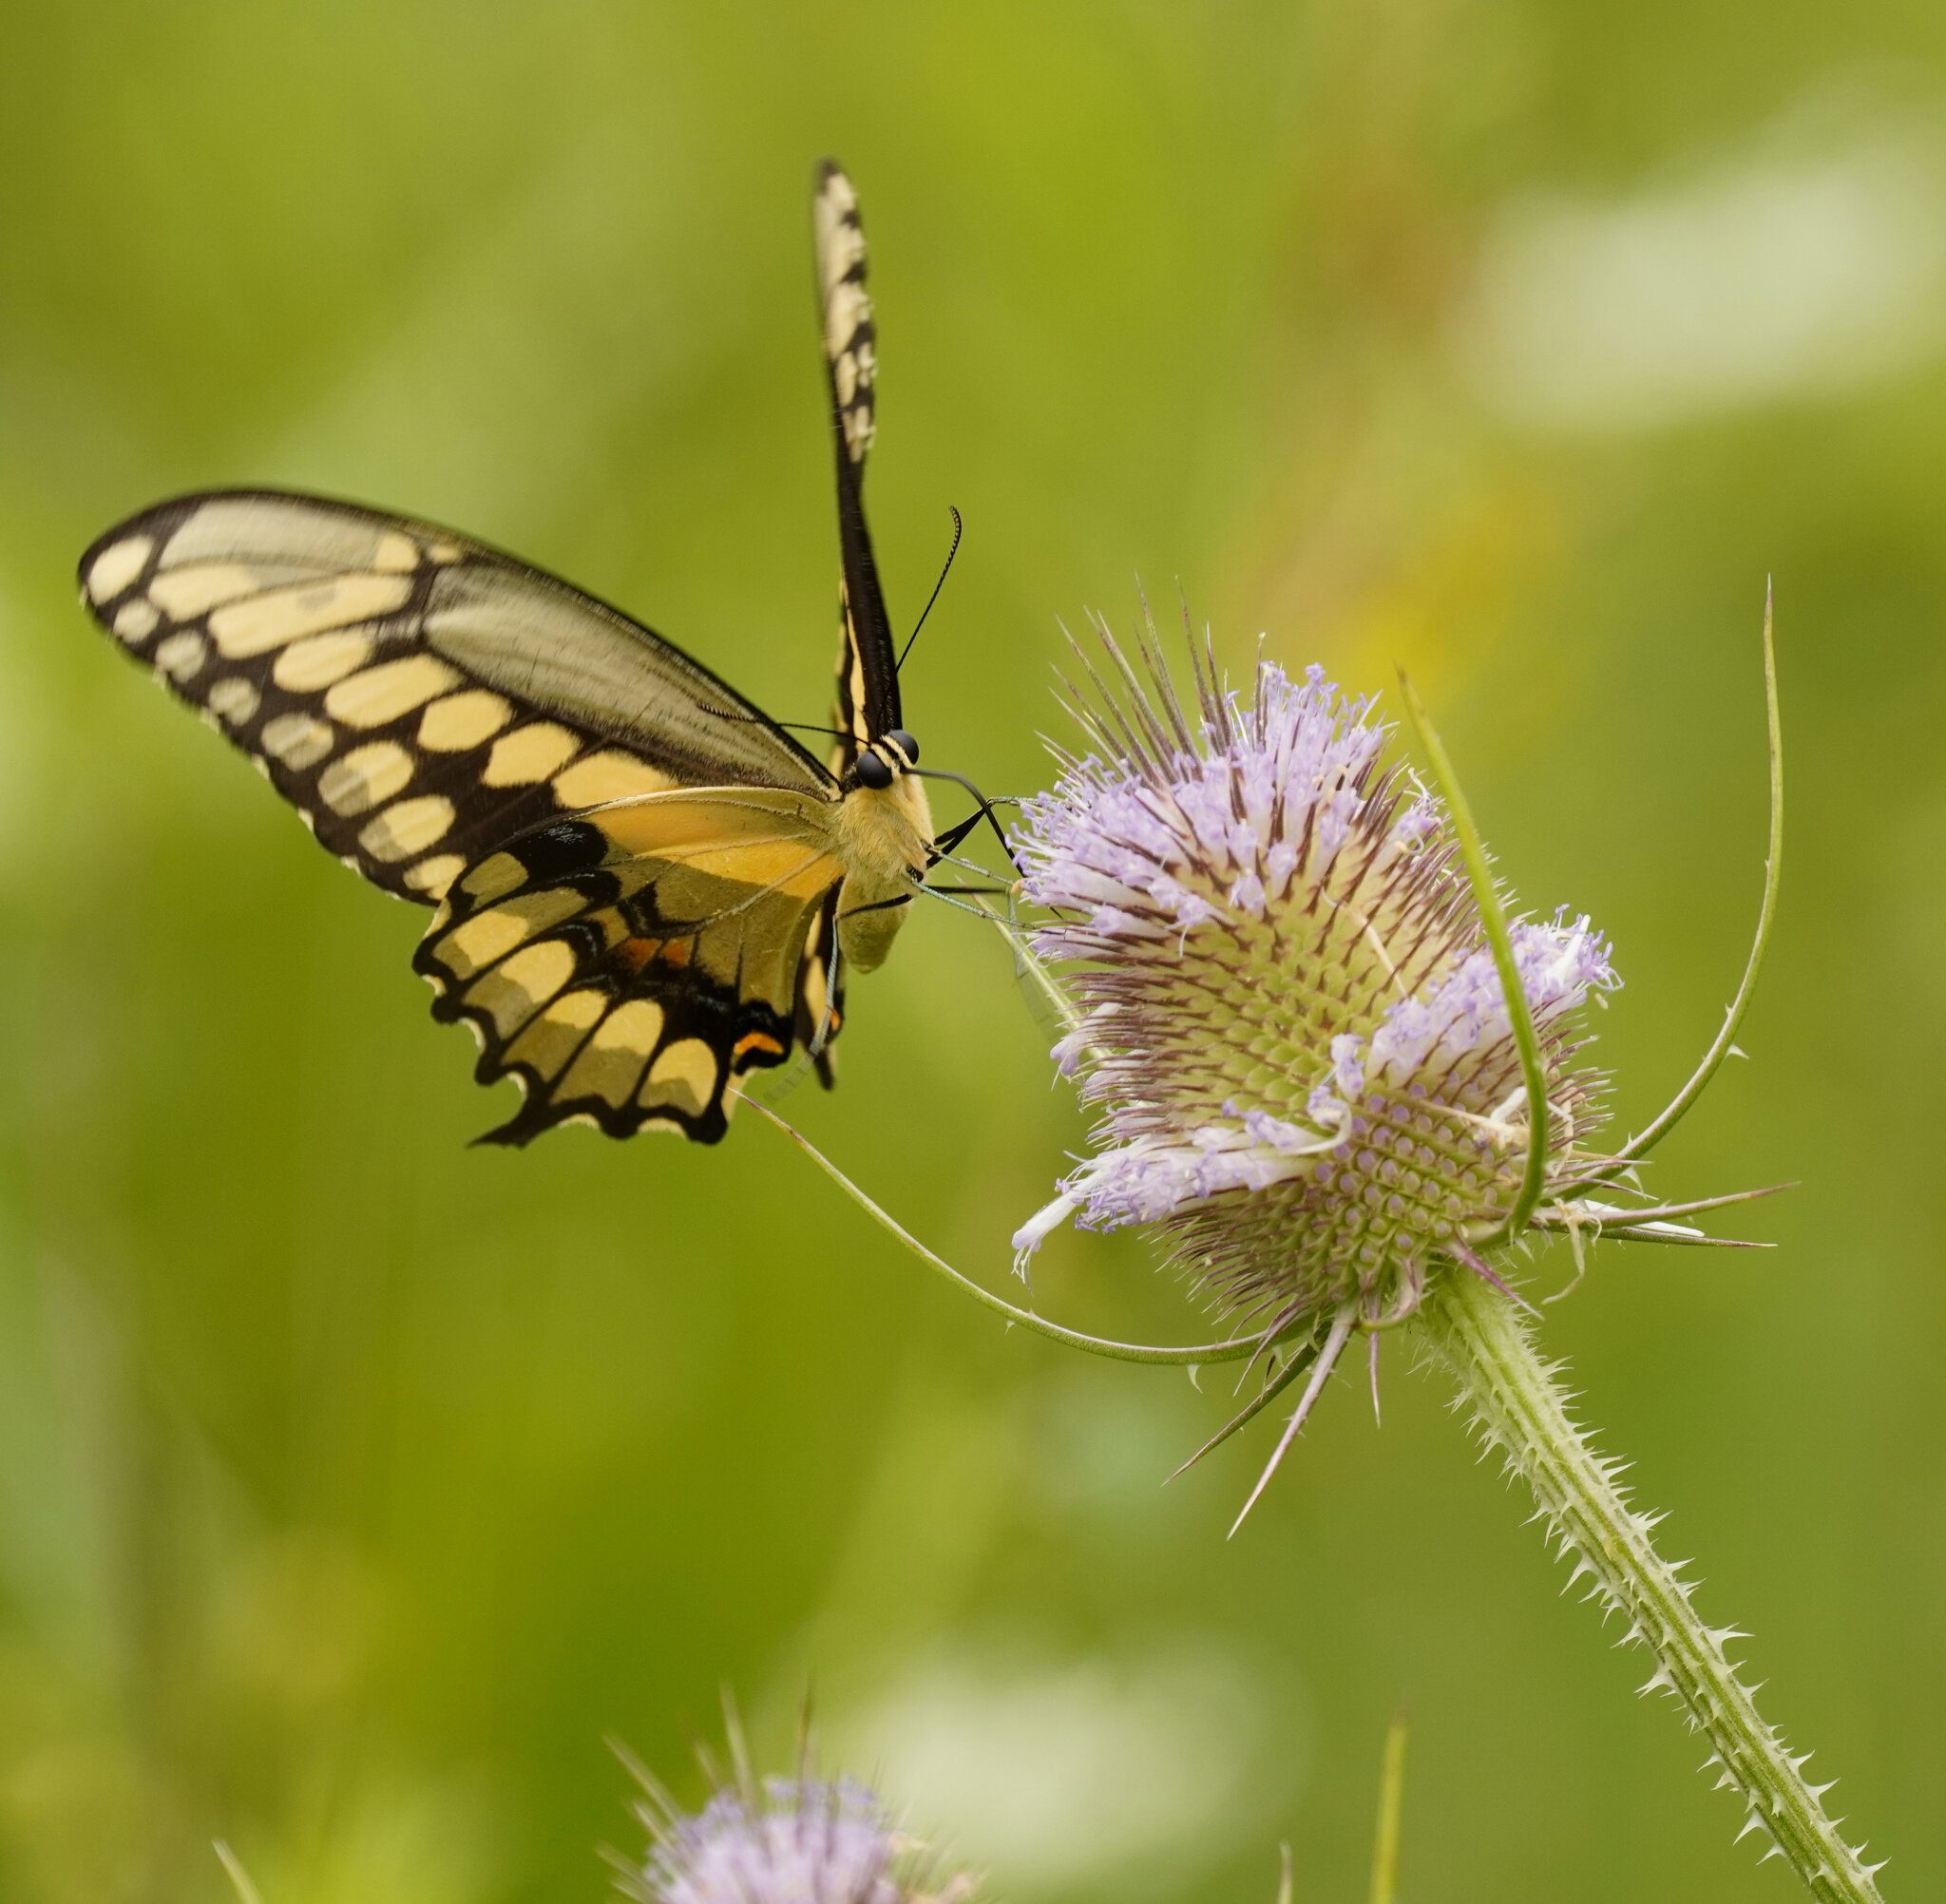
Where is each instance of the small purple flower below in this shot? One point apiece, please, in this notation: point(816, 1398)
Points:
point(792, 1841)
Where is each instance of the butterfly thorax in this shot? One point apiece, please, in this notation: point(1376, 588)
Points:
point(884, 838)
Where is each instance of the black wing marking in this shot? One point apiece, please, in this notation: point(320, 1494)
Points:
point(417, 695)
point(628, 965)
point(820, 1012)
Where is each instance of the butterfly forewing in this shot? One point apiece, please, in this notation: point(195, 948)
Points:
point(866, 700)
point(627, 964)
point(868, 681)
point(419, 697)
point(851, 335)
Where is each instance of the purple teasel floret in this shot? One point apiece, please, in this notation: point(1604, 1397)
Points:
point(1286, 1012)
point(803, 1840)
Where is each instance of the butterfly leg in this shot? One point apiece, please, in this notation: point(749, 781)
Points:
point(877, 905)
point(954, 834)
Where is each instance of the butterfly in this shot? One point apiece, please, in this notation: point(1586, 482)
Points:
point(645, 887)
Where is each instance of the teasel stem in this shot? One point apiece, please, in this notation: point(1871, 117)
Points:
point(1520, 1408)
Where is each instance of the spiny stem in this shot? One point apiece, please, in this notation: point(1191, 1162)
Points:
point(1520, 1408)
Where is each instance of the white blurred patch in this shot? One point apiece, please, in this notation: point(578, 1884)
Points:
point(1048, 1774)
point(1105, 1448)
point(1780, 276)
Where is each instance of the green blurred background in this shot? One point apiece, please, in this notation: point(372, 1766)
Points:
point(354, 1485)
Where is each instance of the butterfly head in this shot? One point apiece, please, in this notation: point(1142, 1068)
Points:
point(887, 760)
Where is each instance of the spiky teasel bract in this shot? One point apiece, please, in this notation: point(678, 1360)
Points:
point(801, 1839)
point(1288, 1013)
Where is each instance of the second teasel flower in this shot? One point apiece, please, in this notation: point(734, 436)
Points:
point(1289, 1016)
point(800, 1840)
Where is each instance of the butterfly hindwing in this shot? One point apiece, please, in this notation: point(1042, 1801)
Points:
point(416, 695)
point(629, 964)
point(820, 1010)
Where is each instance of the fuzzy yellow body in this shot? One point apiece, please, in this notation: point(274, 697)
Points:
point(883, 839)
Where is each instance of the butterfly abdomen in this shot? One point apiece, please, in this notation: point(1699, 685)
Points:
point(884, 837)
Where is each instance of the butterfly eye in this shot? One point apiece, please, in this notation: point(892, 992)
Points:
point(906, 744)
point(873, 772)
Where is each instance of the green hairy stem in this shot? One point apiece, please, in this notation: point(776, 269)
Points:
point(1520, 1409)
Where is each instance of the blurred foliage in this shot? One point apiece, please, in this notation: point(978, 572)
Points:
point(355, 1484)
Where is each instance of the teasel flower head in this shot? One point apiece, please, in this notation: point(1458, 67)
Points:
point(1286, 1012)
point(796, 1841)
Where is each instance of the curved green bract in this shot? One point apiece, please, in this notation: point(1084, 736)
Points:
point(1493, 918)
point(1186, 1357)
point(1680, 1104)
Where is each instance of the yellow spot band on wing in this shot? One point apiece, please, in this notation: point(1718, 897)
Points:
point(182, 656)
point(682, 1077)
point(488, 935)
point(235, 698)
point(514, 990)
point(432, 876)
point(315, 662)
point(608, 776)
point(497, 874)
point(299, 740)
point(613, 1058)
point(396, 553)
point(357, 781)
point(387, 690)
point(136, 620)
point(460, 721)
point(408, 826)
point(118, 565)
point(551, 1039)
point(281, 616)
point(528, 754)
point(182, 594)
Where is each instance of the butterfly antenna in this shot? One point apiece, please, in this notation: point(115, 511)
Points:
point(764, 720)
point(958, 527)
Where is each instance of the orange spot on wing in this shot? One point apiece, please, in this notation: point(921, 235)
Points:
point(758, 1040)
point(635, 953)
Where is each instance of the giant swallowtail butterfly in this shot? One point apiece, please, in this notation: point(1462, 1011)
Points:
point(644, 886)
